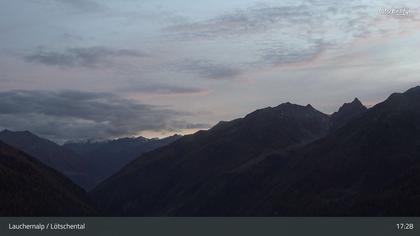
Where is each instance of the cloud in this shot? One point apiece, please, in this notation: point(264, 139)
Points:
point(89, 57)
point(252, 20)
point(208, 69)
point(165, 89)
point(281, 55)
point(285, 34)
point(67, 115)
point(308, 17)
point(292, 33)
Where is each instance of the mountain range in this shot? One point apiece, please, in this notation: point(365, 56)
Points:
point(107, 157)
point(86, 163)
point(288, 160)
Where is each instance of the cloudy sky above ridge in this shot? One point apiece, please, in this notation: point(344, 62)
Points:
point(102, 69)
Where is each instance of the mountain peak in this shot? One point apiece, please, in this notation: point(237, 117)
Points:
point(354, 106)
point(356, 101)
point(347, 112)
point(18, 133)
point(5, 131)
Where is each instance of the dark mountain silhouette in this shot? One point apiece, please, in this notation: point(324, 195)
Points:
point(29, 188)
point(289, 160)
point(369, 167)
point(49, 153)
point(107, 157)
point(169, 180)
point(280, 161)
point(347, 112)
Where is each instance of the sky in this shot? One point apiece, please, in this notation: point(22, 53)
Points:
point(91, 69)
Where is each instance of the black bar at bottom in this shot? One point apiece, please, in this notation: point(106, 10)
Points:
point(203, 226)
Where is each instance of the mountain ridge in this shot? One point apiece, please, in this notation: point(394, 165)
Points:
point(220, 149)
point(339, 173)
point(108, 156)
point(86, 163)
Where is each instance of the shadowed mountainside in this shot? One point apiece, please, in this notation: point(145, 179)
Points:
point(51, 154)
point(29, 188)
point(169, 180)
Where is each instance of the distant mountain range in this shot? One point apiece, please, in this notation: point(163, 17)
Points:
point(288, 160)
point(106, 157)
point(29, 188)
point(86, 163)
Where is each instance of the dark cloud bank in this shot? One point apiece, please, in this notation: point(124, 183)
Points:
point(69, 115)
